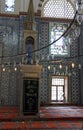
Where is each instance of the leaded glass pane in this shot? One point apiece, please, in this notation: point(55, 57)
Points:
point(59, 47)
point(57, 81)
point(53, 93)
point(58, 9)
point(9, 5)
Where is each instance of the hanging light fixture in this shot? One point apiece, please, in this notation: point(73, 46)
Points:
point(73, 65)
point(15, 68)
point(54, 69)
point(49, 67)
point(3, 68)
point(79, 66)
point(60, 66)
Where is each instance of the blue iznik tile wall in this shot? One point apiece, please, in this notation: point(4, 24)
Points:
point(12, 41)
point(74, 85)
point(75, 81)
point(44, 41)
point(80, 45)
point(9, 30)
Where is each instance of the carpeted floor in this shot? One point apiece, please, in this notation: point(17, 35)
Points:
point(61, 112)
point(49, 112)
point(41, 125)
point(50, 118)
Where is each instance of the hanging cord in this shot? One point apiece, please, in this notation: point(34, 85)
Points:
point(48, 44)
point(59, 37)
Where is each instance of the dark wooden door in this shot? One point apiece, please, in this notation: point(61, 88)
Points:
point(30, 96)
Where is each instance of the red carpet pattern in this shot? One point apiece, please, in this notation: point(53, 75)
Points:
point(41, 125)
point(61, 112)
point(49, 112)
point(50, 118)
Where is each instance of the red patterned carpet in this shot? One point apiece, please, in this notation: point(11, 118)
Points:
point(50, 118)
point(41, 125)
point(67, 112)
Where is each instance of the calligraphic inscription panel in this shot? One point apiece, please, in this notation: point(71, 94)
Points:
point(30, 96)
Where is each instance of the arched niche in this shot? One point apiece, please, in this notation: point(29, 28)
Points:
point(29, 47)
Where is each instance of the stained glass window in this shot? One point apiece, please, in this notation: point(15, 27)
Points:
point(59, 47)
point(9, 5)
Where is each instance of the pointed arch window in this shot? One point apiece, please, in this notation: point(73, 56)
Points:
point(58, 9)
point(9, 5)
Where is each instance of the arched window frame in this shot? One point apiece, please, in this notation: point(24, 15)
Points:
point(66, 51)
point(51, 1)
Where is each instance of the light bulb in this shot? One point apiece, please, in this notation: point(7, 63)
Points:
point(73, 65)
point(49, 67)
point(60, 66)
point(79, 66)
point(4, 69)
point(15, 69)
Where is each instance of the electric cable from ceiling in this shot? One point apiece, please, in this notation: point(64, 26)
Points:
point(72, 22)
